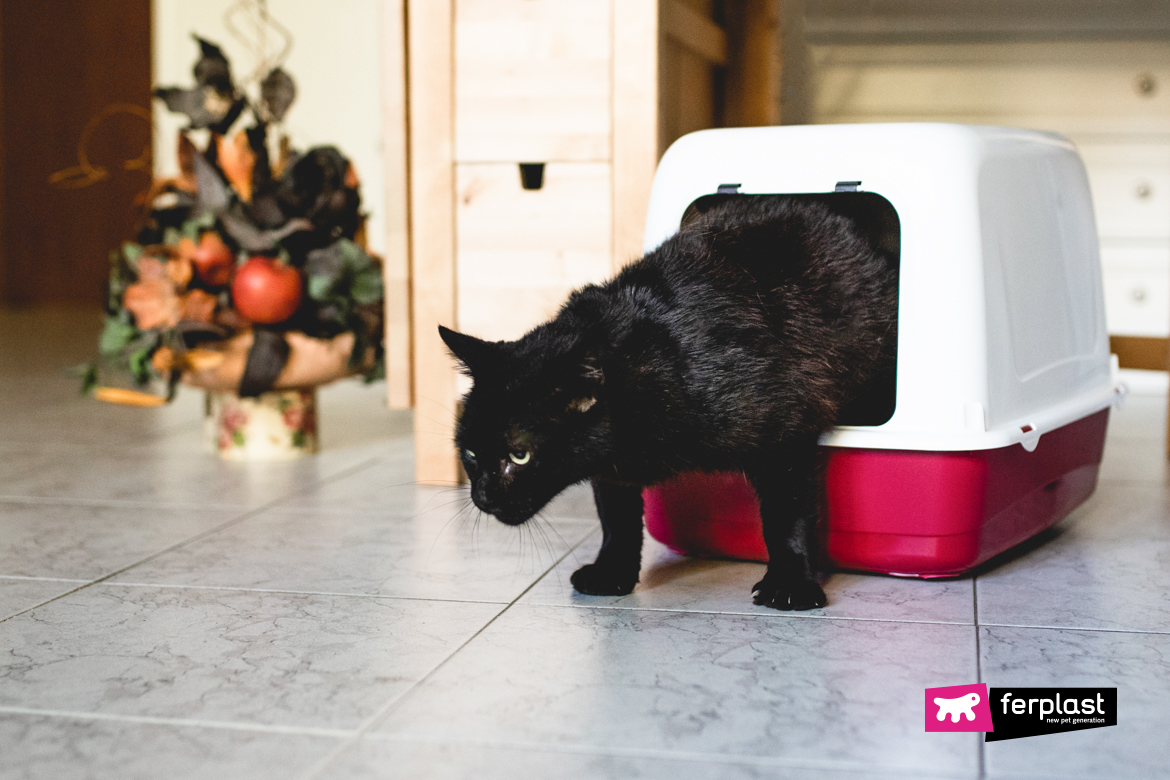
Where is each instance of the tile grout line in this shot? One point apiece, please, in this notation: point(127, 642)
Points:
point(190, 540)
point(745, 759)
point(223, 725)
point(1142, 631)
point(236, 589)
point(771, 614)
point(315, 770)
point(978, 666)
point(114, 503)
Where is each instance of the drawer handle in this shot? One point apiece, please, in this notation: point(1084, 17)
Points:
point(532, 175)
point(1145, 84)
point(1143, 190)
point(1138, 294)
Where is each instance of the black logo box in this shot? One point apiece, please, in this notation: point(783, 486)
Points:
point(1029, 712)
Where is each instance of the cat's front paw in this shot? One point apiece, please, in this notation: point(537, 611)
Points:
point(788, 594)
point(595, 579)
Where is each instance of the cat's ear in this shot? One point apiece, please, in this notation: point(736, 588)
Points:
point(591, 370)
point(589, 380)
point(475, 354)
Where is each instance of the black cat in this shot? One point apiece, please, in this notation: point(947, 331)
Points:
point(731, 347)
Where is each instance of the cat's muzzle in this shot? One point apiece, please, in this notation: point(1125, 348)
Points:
point(508, 515)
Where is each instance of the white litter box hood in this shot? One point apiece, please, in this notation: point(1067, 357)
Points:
point(1001, 319)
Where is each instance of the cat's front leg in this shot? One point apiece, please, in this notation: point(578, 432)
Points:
point(615, 572)
point(787, 485)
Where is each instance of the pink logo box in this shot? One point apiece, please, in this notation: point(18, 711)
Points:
point(958, 708)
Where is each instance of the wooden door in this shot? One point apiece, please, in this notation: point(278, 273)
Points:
point(74, 142)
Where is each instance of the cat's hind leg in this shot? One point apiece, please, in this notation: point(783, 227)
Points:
point(615, 572)
point(786, 484)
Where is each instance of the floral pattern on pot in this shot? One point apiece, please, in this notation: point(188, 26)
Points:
point(274, 426)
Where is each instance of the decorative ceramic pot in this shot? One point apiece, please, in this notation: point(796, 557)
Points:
point(280, 425)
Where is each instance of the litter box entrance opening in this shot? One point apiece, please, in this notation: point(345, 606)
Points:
point(877, 220)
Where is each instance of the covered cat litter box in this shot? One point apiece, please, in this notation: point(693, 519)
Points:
point(994, 426)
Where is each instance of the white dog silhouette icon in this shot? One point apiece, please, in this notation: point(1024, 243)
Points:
point(953, 707)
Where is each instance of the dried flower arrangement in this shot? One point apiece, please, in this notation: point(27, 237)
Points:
point(248, 274)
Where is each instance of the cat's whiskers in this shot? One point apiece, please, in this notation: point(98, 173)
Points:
point(461, 515)
point(546, 523)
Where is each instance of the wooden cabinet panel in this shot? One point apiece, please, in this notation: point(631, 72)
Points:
point(76, 86)
point(532, 80)
point(521, 252)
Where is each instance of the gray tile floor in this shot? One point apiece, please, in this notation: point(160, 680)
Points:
point(164, 614)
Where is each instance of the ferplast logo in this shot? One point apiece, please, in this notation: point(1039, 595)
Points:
point(1030, 712)
point(1011, 713)
point(958, 708)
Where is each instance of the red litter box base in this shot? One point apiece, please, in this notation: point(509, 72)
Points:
point(902, 512)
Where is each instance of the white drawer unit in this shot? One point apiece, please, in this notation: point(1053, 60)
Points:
point(1137, 288)
point(1131, 188)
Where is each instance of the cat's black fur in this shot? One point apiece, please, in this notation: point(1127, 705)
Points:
point(731, 347)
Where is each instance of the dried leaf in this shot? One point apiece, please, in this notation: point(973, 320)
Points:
point(203, 359)
point(163, 360)
point(213, 192)
point(203, 106)
point(186, 154)
point(151, 268)
point(118, 395)
point(252, 239)
point(212, 69)
point(153, 303)
point(179, 270)
point(284, 156)
point(198, 305)
point(277, 92)
point(237, 160)
point(116, 336)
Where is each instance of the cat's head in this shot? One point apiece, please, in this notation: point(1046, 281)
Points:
point(534, 421)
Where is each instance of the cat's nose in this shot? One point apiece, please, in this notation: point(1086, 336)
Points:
point(484, 495)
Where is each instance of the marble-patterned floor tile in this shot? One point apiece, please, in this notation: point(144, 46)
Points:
point(39, 411)
point(1141, 417)
point(395, 486)
point(1136, 664)
point(846, 693)
point(46, 339)
point(39, 748)
point(419, 548)
point(1135, 460)
point(1106, 566)
point(677, 582)
point(173, 471)
point(384, 758)
point(18, 594)
point(265, 658)
point(86, 542)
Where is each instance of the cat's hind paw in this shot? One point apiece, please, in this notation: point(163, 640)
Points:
point(595, 579)
point(788, 594)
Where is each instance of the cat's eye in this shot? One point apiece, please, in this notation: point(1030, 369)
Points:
point(520, 457)
point(469, 455)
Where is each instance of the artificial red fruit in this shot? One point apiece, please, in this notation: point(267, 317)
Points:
point(213, 260)
point(266, 290)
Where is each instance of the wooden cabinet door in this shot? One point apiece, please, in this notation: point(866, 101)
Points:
point(532, 80)
point(521, 252)
point(70, 67)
